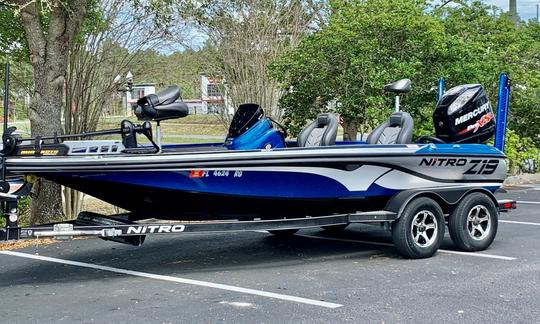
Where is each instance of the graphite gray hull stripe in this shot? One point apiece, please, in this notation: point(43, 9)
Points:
point(178, 169)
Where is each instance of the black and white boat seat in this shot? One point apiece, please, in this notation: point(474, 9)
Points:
point(321, 132)
point(398, 129)
point(401, 86)
point(161, 106)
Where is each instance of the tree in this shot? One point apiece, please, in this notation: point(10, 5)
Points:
point(344, 66)
point(115, 38)
point(248, 36)
point(366, 44)
point(49, 28)
point(483, 41)
point(13, 46)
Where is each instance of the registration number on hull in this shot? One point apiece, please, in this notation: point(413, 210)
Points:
point(215, 173)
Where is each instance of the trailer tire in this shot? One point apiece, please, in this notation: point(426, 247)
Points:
point(419, 230)
point(473, 223)
point(284, 232)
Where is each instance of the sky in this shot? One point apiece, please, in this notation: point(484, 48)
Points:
point(526, 8)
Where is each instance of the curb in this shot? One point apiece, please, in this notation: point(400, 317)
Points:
point(520, 179)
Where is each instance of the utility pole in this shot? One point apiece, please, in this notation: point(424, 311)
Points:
point(513, 11)
point(537, 7)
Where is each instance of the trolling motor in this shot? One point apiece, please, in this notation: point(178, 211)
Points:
point(9, 203)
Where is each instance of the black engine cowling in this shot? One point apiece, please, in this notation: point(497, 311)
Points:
point(464, 115)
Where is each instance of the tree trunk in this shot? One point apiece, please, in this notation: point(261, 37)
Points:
point(49, 49)
point(45, 119)
point(46, 206)
point(349, 130)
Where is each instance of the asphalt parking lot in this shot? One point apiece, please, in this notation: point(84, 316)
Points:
point(252, 277)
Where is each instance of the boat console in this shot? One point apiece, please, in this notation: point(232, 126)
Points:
point(251, 130)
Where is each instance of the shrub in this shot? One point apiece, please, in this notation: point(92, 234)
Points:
point(522, 154)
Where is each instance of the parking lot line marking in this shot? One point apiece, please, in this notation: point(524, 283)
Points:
point(481, 255)
point(176, 279)
point(528, 202)
point(474, 254)
point(516, 222)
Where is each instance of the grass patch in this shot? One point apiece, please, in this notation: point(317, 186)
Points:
point(190, 140)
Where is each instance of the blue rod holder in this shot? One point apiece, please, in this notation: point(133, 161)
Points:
point(502, 111)
point(441, 88)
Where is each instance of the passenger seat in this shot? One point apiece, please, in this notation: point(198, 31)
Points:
point(321, 132)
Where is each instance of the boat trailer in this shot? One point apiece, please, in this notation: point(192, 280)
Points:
point(118, 228)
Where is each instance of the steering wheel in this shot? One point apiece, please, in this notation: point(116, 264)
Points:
point(429, 139)
point(284, 131)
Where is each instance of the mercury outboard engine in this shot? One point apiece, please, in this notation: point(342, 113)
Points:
point(464, 115)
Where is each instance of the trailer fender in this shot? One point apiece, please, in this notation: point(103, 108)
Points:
point(447, 198)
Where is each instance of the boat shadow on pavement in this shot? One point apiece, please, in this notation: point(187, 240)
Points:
point(190, 255)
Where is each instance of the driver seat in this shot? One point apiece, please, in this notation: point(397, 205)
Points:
point(398, 129)
point(321, 132)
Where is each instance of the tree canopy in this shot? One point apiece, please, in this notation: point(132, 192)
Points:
point(366, 44)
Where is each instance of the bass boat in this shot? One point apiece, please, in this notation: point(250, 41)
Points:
point(256, 174)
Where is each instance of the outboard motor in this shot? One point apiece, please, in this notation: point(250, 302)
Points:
point(250, 130)
point(464, 115)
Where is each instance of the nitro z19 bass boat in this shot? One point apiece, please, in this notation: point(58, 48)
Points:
point(259, 178)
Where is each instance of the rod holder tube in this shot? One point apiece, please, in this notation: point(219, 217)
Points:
point(502, 111)
point(441, 88)
point(6, 96)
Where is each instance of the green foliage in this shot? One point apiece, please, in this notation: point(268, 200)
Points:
point(24, 213)
point(179, 68)
point(520, 152)
point(13, 45)
point(365, 45)
point(481, 44)
point(344, 65)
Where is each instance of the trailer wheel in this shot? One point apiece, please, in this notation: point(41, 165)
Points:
point(419, 231)
point(473, 223)
point(284, 232)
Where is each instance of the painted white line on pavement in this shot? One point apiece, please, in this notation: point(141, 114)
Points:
point(516, 222)
point(480, 255)
point(176, 279)
point(528, 202)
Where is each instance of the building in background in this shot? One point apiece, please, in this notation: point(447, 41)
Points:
point(213, 100)
point(139, 90)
